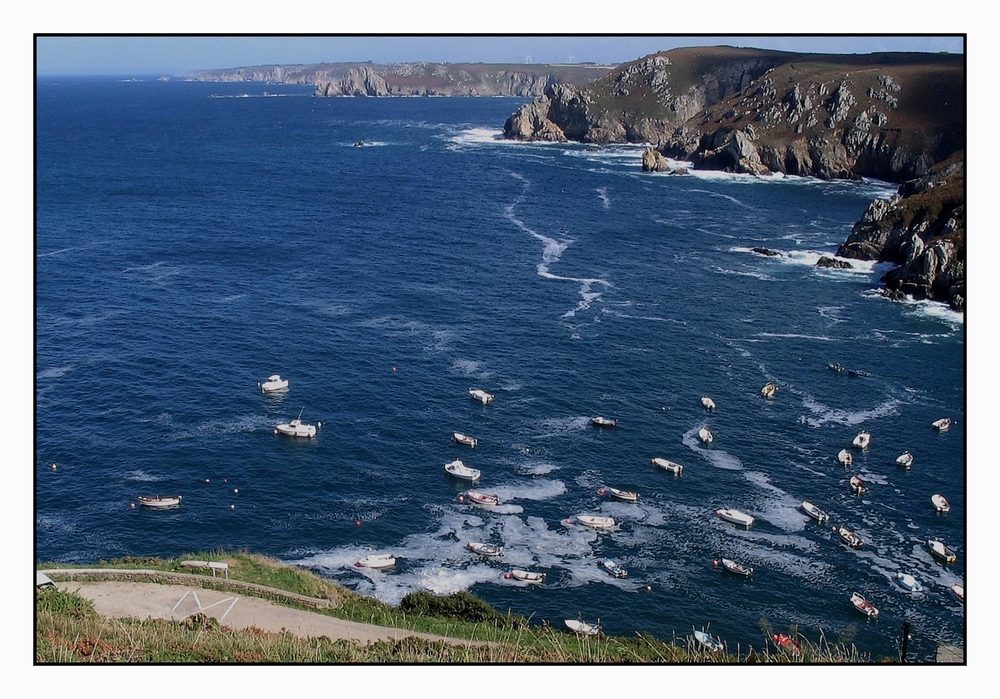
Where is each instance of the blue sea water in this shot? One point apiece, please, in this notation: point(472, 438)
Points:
point(191, 241)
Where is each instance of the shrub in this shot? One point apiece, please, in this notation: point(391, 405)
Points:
point(463, 606)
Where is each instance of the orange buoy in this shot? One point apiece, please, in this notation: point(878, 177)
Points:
point(461, 498)
point(715, 563)
point(357, 523)
point(602, 491)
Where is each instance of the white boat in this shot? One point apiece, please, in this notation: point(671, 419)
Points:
point(737, 568)
point(604, 422)
point(377, 561)
point(582, 628)
point(940, 503)
point(674, 468)
point(909, 582)
point(858, 485)
point(849, 537)
point(613, 568)
point(942, 425)
point(465, 439)
point(624, 495)
point(273, 383)
point(940, 551)
point(160, 502)
point(527, 576)
point(905, 459)
point(485, 499)
point(596, 522)
point(769, 390)
point(815, 512)
point(863, 439)
point(480, 395)
point(297, 428)
point(845, 458)
point(706, 640)
point(863, 605)
point(708, 403)
point(484, 549)
point(705, 435)
point(735, 516)
point(460, 470)
point(958, 589)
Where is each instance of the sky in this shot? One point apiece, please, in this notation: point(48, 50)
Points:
point(177, 55)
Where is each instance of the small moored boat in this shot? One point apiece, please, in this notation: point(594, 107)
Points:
point(909, 582)
point(485, 499)
point(736, 568)
point(465, 439)
point(666, 465)
point(941, 552)
point(624, 495)
point(273, 383)
point(905, 459)
point(708, 403)
point(863, 605)
point(460, 470)
point(849, 537)
point(858, 485)
point(613, 568)
point(480, 395)
point(958, 589)
point(484, 549)
point(783, 640)
point(377, 561)
point(297, 428)
point(940, 503)
point(815, 512)
point(160, 501)
point(942, 425)
point(735, 517)
point(769, 390)
point(527, 576)
point(708, 641)
point(582, 628)
point(596, 522)
point(835, 367)
point(603, 422)
point(705, 435)
point(845, 457)
point(862, 440)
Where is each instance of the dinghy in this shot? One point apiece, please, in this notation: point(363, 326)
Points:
point(527, 576)
point(845, 458)
point(273, 383)
point(942, 425)
point(769, 390)
point(582, 628)
point(863, 439)
point(161, 502)
point(907, 581)
point(623, 495)
point(905, 459)
point(940, 503)
point(735, 516)
point(377, 561)
point(849, 537)
point(603, 422)
point(480, 395)
point(958, 589)
point(783, 640)
point(858, 485)
point(863, 605)
point(465, 439)
point(484, 499)
point(674, 468)
point(708, 403)
point(595, 522)
point(613, 568)
point(815, 512)
point(707, 641)
point(460, 470)
point(484, 549)
point(941, 552)
point(736, 568)
point(705, 435)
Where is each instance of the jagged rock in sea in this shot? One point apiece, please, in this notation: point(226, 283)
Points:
point(833, 263)
point(766, 252)
point(653, 161)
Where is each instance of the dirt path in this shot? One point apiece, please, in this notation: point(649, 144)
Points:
point(152, 600)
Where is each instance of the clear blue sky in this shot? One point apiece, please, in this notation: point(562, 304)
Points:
point(176, 55)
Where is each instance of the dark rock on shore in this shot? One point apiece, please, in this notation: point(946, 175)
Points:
point(833, 263)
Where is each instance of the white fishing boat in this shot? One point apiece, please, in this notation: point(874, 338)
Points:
point(705, 435)
point(942, 425)
point(858, 485)
point(736, 568)
point(465, 439)
point(905, 459)
point(769, 390)
point(623, 495)
point(815, 512)
point(582, 628)
point(849, 537)
point(940, 503)
point(958, 589)
point(484, 549)
point(613, 568)
point(596, 522)
point(603, 422)
point(845, 457)
point(480, 395)
point(708, 403)
point(862, 440)
point(907, 581)
point(460, 470)
point(708, 641)
point(377, 561)
point(666, 465)
point(735, 517)
point(161, 502)
point(940, 551)
point(527, 576)
point(485, 499)
point(297, 428)
point(863, 605)
point(273, 383)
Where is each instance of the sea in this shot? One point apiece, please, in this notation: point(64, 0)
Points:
point(388, 255)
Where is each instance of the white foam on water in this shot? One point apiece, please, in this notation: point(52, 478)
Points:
point(823, 414)
point(560, 426)
point(543, 489)
point(53, 372)
point(755, 274)
point(142, 477)
point(481, 136)
point(537, 468)
point(470, 368)
point(602, 192)
point(935, 310)
point(715, 456)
